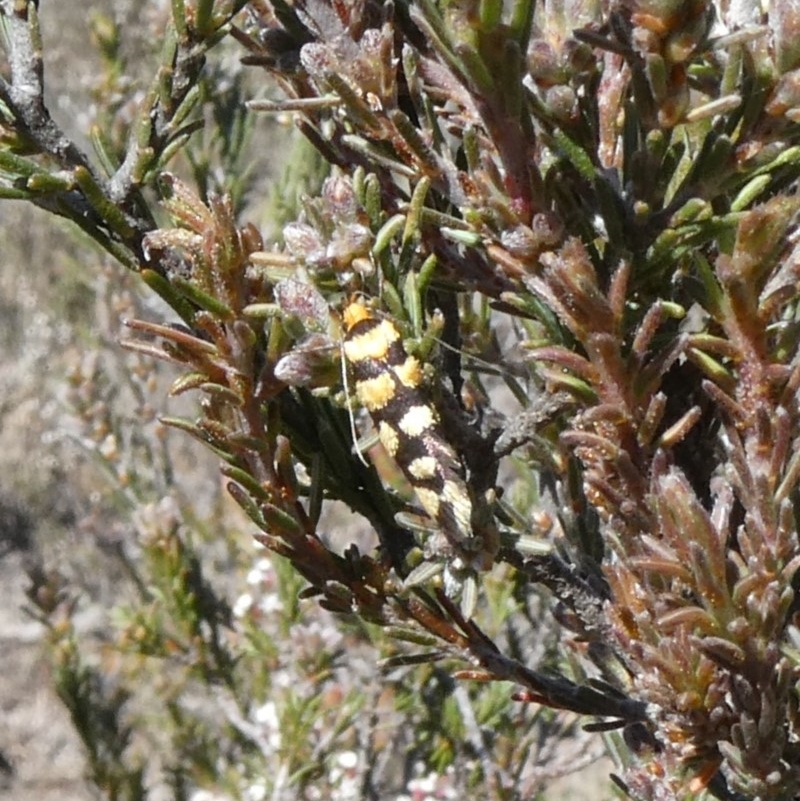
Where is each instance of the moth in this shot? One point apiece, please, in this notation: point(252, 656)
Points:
point(389, 384)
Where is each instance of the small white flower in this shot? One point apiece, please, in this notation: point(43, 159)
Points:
point(206, 795)
point(347, 760)
point(243, 604)
point(271, 602)
point(267, 715)
point(109, 449)
point(423, 784)
point(256, 792)
point(260, 572)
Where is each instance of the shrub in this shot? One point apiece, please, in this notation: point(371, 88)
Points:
point(547, 252)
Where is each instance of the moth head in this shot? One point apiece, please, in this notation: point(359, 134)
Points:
point(355, 313)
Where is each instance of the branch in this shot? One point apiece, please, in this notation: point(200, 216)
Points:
point(25, 95)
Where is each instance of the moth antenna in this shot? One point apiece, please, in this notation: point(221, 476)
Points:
point(489, 368)
point(350, 415)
